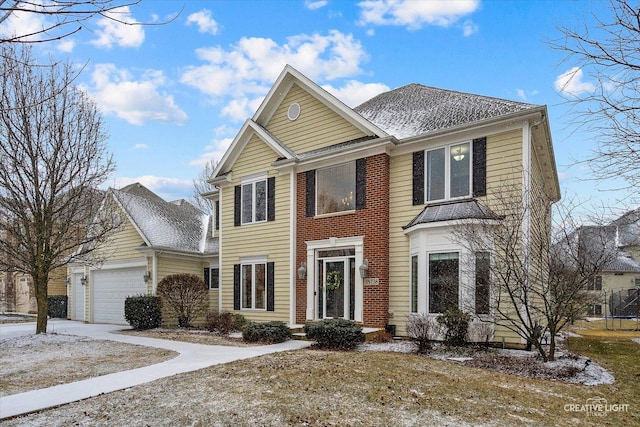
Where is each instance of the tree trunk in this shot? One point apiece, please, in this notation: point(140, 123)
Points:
point(40, 286)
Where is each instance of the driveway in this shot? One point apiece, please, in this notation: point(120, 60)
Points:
point(191, 357)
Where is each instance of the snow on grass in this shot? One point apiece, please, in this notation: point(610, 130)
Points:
point(40, 339)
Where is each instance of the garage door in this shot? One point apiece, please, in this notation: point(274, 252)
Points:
point(111, 288)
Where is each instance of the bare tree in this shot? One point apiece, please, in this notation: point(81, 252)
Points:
point(202, 186)
point(608, 104)
point(53, 158)
point(540, 262)
point(61, 18)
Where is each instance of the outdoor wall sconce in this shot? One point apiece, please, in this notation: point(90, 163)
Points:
point(147, 276)
point(364, 269)
point(302, 271)
point(83, 280)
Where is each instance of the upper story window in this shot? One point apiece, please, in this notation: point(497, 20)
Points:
point(448, 172)
point(254, 201)
point(336, 187)
point(451, 172)
point(339, 188)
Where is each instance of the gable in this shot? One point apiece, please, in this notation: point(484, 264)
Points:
point(255, 157)
point(317, 126)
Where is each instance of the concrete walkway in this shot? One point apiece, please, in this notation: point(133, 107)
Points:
point(191, 357)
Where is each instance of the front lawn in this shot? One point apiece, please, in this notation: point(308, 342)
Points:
point(311, 387)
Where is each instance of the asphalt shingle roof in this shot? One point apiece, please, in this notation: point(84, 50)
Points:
point(415, 109)
point(172, 225)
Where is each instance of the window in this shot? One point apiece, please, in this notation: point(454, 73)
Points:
point(254, 286)
point(596, 284)
point(597, 309)
point(637, 283)
point(254, 202)
point(448, 172)
point(212, 277)
point(336, 188)
point(443, 281)
point(414, 284)
point(483, 289)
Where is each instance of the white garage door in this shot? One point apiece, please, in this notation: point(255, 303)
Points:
point(111, 288)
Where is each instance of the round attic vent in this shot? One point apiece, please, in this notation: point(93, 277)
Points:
point(294, 111)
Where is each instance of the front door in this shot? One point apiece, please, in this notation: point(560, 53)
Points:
point(336, 287)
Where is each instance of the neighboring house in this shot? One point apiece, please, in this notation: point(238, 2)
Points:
point(331, 211)
point(156, 238)
point(620, 279)
point(17, 293)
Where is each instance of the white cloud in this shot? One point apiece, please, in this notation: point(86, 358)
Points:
point(355, 93)
point(313, 5)
point(167, 188)
point(120, 28)
point(415, 14)
point(246, 70)
point(571, 83)
point(136, 101)
point(24, 23)
point(204, 21)
point(524, 95)
point(469, 28)
point(66, 45)
point(215, 151)
point(140, 147)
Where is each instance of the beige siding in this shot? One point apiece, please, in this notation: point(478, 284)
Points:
point(270, 239)
point(123, 244)
point(167, 266)
point(317, 126)
point(504, 165)
point(57, 282)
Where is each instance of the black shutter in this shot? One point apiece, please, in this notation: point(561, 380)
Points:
point(206, 277)
point(418, 178)
point(271, 199)
point(237, 197)
point(217, 208)
point(311, 193)
point(361, 183)
point(479, 167)
point(270, 286)
point(236, 286)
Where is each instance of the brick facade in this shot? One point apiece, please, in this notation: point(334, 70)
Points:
point(372, 222)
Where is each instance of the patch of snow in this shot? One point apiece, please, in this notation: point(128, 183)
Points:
point(590, 372)
point(396, 346)
point(40, 339)
point(460, 359)
point(636, 340)
point(571, 334)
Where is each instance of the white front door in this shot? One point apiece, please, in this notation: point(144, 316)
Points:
point(336, 288)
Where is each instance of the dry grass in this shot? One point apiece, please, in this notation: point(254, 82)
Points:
point(35, 365)
point(191, 336)
point(15, 318)
point(324, 388)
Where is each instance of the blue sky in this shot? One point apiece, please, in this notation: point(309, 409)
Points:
point(173, 96)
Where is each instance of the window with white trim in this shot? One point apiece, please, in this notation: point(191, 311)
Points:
point(414, 283)
point(444, 281)
point(254, 202)
point(448, 172)
point(253, 285)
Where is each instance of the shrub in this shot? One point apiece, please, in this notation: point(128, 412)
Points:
point(186, 295)
point(269, 332)
point(337, 334)
point(456, 323)
point(143, 311)
point(422, 329)
point(224, 323)
point(57, 306)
